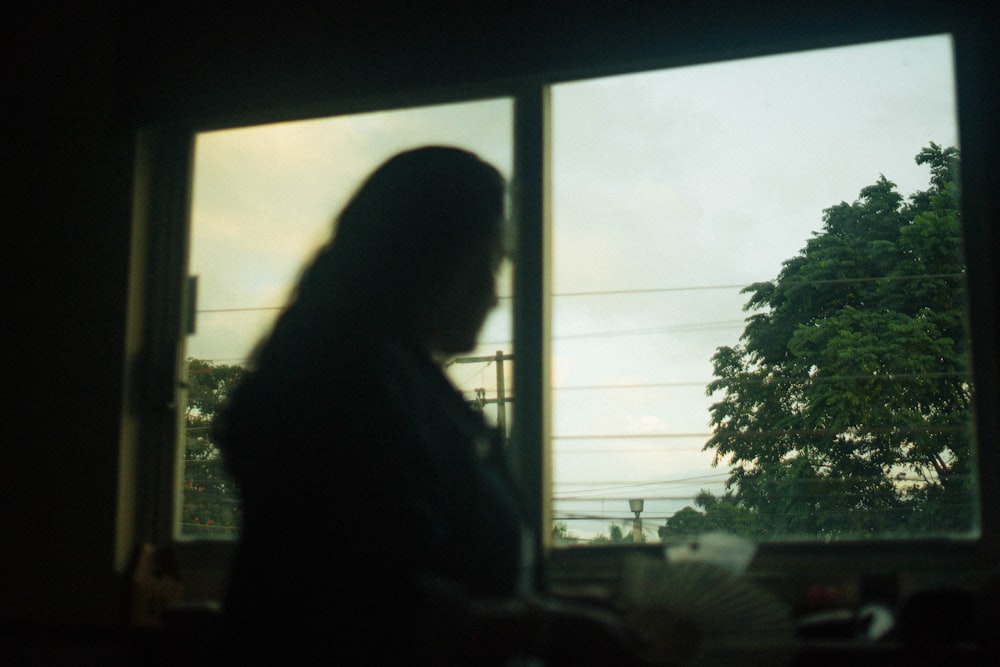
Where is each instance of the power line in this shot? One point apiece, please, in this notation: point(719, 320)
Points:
point(816, 281)
point(638, 385)
point(630, 484)
point(476, 373)
point(698, 327)
point(629, 436)
point(659, 290)
point(201, 311)
point(662, 449)
point(592, 499)
point(572, 516)
point(885, 377)
point(847, 430)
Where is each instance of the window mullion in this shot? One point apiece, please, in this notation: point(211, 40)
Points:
point(529, 442)
point(169, 228)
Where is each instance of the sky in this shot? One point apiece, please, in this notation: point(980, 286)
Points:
point(671, 191)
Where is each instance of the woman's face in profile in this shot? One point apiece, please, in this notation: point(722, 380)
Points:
point(467, 300)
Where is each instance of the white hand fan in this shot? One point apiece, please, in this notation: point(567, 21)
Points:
point(692, 610)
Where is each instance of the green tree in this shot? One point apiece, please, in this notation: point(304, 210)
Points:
point(845, 409)
point(725, 514)
point(211, 501)
point(615, 535)
point(561, 534)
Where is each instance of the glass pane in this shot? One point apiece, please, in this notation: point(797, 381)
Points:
point(837, 405)
point(264, 200)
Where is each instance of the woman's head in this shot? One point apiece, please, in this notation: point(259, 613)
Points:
point(415, 250)
point(413, 255)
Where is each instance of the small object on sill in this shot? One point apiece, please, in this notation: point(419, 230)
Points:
point(154, 584)
point(871, 622)
point(829, 624)
point(842, 594)
point(881, 620)
point(725, 550)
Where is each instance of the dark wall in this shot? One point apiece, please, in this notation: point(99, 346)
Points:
point(210, 60)
point(68, 150)
point(84, 79)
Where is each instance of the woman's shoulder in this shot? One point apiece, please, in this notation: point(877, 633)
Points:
point(419, 385)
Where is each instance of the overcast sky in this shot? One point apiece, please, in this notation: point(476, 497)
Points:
point(671, 191)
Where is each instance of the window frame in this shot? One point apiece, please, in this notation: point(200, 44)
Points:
point(162, 230)
point(874, 557)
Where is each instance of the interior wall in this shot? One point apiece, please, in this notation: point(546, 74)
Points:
point(68, 153)
point(211, 60)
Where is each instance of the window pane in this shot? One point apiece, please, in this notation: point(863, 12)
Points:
point(840, 400)
point(264, 200)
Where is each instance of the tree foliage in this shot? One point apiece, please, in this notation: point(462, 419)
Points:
point(725, 514)
point(845, 409)
point(211, 501)
point(615, 536)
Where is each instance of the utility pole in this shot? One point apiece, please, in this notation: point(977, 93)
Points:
point(501, 399)
point(636, 505)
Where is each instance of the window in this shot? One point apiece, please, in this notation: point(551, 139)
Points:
point(647, 202)
point(264, 198)
point(840, 406)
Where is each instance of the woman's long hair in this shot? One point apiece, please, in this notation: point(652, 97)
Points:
point(400, 237)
